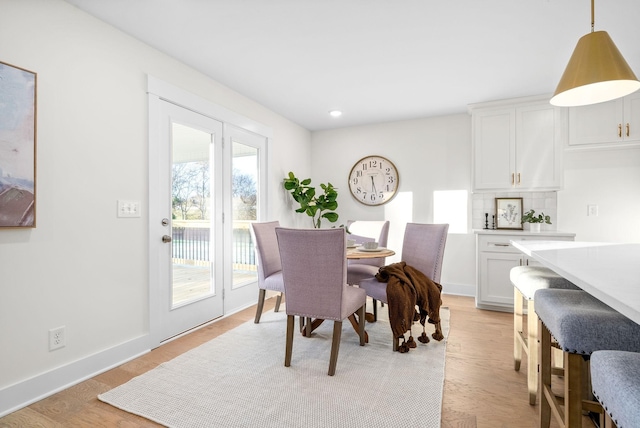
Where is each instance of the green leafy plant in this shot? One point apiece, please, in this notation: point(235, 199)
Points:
point(316, 206)
point(531, 217)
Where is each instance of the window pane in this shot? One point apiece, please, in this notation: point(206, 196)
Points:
point(190, 210)
point(244, 189)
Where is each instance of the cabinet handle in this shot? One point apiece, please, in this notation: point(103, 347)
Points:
point(620, 130)
point(627, 129)
point(518, 178)
point(497, 244)
point(513, 179)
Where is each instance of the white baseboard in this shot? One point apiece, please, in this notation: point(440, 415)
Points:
point(17, 396)
point(459, 289)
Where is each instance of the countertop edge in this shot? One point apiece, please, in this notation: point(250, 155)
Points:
point(522, 232)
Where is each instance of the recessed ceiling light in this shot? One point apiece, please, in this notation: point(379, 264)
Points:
point(335, 113)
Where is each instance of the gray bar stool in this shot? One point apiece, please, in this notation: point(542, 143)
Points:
point(581, 325)
point(526, 280)
point(615, 379)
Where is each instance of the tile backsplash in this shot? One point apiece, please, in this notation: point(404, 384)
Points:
point(546, 202)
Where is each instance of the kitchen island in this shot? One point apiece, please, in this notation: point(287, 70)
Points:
point(610, 272)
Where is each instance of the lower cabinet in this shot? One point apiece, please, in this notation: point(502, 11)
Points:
point(495, 258)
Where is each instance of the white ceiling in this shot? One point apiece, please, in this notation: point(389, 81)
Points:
point(376, 60)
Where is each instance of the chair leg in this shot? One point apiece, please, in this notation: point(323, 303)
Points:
point(278, 301)
point(362, 320)
point(335, 346)
point(261, 295)
point(289, 345)
point(375, 310)
point(532, 352)
point(517, 328)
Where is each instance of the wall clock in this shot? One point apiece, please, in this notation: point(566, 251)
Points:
point(373, 180)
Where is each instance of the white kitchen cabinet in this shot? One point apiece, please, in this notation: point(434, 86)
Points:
point(495, 258)
point(517, 145)
point(612, 124)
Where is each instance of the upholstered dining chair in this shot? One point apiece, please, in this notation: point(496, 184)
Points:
point(269, 267)
point(423, 249)
point(366, 231)
point(314, 269)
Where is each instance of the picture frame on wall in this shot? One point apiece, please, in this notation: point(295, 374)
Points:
point(17, 146)
point(509, 213)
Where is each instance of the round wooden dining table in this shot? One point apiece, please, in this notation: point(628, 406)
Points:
point(360, 253)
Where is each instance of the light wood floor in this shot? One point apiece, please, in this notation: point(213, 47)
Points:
point(481, 388)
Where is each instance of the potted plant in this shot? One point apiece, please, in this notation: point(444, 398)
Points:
point(316, 206)
point(535, 220)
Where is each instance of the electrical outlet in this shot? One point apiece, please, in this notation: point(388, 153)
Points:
point(592, 210)
point(57, 338)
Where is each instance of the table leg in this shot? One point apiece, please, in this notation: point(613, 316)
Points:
point(354, 324)
point(314, 324)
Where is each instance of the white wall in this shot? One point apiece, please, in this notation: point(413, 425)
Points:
point(609, 179)
point(430, 154)
point(82, 267)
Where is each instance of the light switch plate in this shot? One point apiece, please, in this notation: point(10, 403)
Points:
point(128, 208)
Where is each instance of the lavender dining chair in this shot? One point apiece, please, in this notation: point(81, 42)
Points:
point(314, 269)
point(268, 260)
point(423, 249)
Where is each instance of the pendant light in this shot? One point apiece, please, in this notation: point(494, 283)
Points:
point(596, 72)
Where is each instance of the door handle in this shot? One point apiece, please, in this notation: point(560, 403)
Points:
point(166, 238)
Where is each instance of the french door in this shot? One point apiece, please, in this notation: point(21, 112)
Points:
point(186, 221)
point(207, 183)
point(248, 191)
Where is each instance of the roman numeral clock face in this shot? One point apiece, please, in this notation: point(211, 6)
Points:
point(373, 180)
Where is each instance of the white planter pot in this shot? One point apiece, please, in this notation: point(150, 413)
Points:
point(534, 227)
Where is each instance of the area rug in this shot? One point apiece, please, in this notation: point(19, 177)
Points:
point(239, 380)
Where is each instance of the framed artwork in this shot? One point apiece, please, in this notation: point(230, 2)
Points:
point(509, 213)
point(17, 146)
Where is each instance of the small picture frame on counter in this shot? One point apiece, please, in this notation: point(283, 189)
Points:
point(509, 213)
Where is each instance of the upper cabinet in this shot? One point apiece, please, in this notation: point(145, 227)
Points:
point(612, 124)
point(517, 145)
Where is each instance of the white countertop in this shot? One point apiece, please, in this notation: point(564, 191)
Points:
point(610, 272)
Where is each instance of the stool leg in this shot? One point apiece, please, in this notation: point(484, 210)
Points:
point(517, 328)
point(573, 390)
point(545, 375)
point(608, 422)
point(532, 352)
